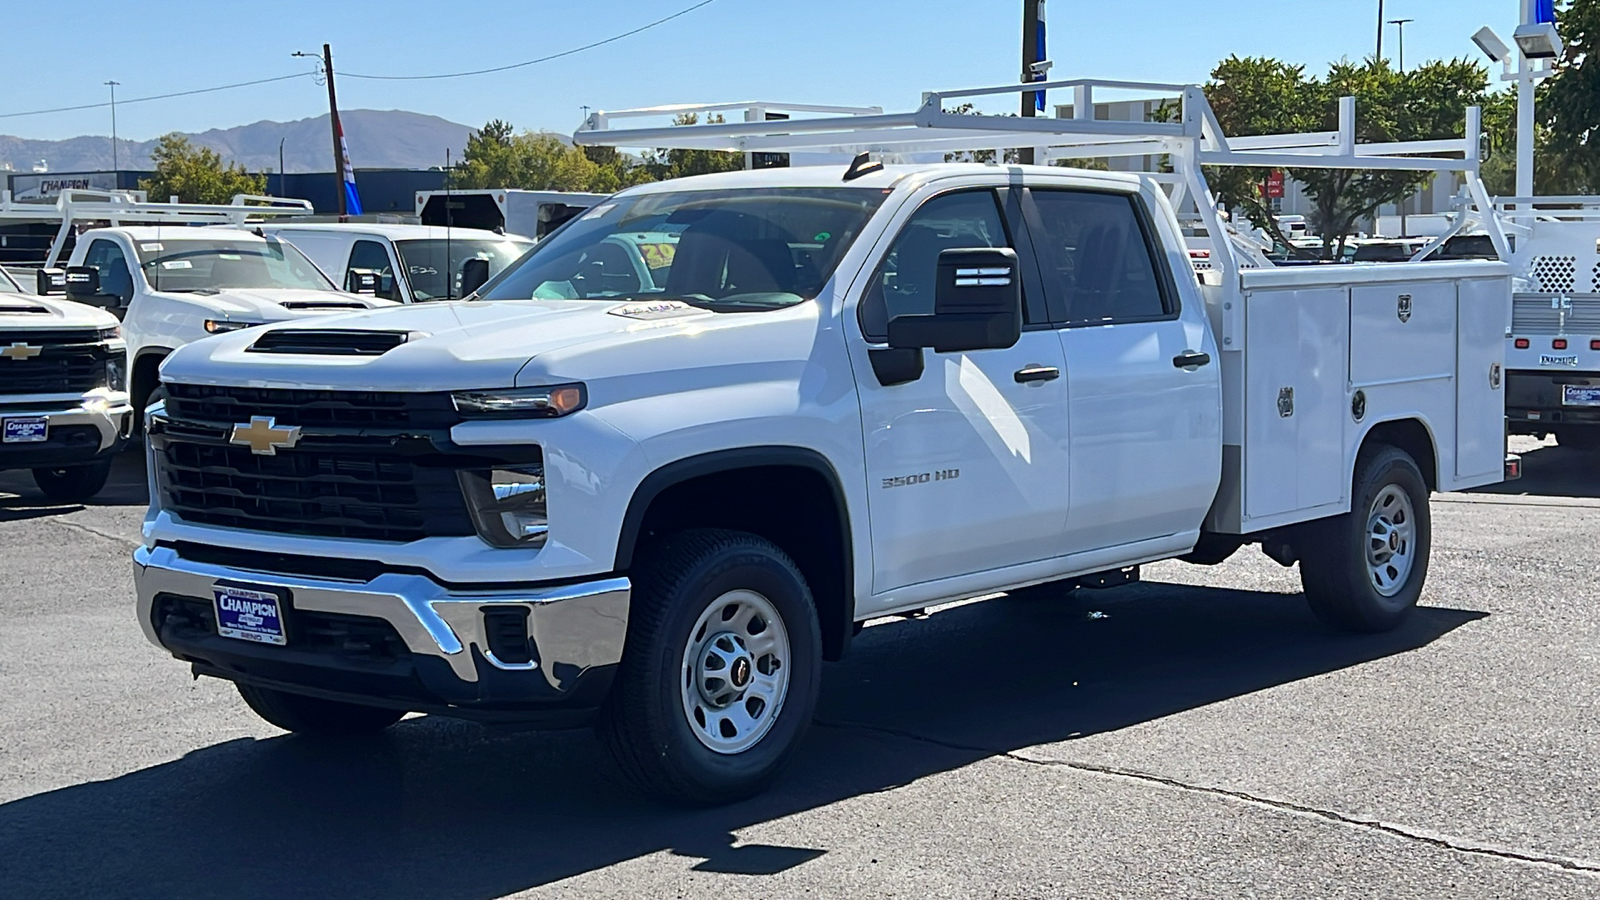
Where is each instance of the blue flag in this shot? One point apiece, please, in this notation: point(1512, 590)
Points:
point(1040, 55)
point(352, 197)
point(1544, 11)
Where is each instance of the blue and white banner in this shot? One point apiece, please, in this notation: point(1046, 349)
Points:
point(1040, 55)
point(1543, 11)
point(352, 197)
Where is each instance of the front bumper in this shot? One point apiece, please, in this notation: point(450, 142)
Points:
point(400, 640)
point(79, 432)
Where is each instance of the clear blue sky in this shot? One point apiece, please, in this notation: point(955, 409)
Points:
point(882, 52)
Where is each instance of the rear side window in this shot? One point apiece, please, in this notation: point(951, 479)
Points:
point(1097, 256)
point(115, 277)
point(905, 282)
point(372, 256)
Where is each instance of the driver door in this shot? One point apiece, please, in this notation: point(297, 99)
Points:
point(967, 462)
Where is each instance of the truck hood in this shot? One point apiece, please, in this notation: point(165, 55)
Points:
point(488, 344)
point(19, 312)
point(276, 305)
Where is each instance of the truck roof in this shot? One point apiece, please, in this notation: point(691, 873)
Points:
point(181, 233)
point(398, 232)
point(833, 176)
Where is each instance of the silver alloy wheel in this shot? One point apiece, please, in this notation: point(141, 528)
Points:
point(1391, 540)
point(735, 671)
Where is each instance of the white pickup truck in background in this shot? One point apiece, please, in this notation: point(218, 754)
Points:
point(660, 497)
point(64, 412)
point(433, 262)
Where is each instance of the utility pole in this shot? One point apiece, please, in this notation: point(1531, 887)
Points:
point(1032, 12)
point(1378, 56)
point(113, 86)
point(1401, 25)
point(333, 122)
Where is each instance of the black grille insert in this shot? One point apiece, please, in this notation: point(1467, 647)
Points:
point(329, 341)
point(310, 408)
point(312, 491)
point(355, 638)
point(51, 362)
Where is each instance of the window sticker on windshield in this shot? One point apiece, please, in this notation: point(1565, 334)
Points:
point(229, 256)
point(658, 256)
point(151, 248)
point(599, 211)
point(661, 309)
point(176, 264)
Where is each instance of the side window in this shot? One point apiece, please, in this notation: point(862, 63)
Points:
point(904, 282)
point(115, 278)
point(372, 255)
point(1095, 251)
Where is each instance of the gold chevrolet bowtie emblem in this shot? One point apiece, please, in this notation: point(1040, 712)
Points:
point(263, 435)
point(20, 350)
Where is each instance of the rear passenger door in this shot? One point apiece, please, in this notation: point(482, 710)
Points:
point(1144, 393)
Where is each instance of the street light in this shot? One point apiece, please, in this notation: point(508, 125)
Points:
point(1526, 75)
point(113, 86)
point(1401, 24)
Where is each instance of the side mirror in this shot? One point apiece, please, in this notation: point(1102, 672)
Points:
point(82, 282)
point(977, 305)
point(361, 281)
point(50, 281)
point(474, 275)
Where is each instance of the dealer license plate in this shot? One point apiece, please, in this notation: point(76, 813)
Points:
point(32, 429)
point(249, 614)
point(1580, 395)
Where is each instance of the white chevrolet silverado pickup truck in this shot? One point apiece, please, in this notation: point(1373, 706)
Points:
point(63, 411)
point(659, 498)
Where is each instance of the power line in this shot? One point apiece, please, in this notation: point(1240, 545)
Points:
point(220, 87)
point(609, 40)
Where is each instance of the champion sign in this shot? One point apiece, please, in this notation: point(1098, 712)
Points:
point(249, 615)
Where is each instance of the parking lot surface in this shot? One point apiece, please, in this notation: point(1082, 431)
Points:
point(1195, 735)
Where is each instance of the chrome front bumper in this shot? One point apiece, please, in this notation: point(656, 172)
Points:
point(110, 420)
point(574, 630)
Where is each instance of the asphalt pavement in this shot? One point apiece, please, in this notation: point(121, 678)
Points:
point(1195, 735)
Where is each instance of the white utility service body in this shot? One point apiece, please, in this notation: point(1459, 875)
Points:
point(63, 410)
point(773, 404)
point(414, 251)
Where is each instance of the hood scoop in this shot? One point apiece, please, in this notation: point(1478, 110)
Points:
point(7, 309)
point(324, 304)
point(329, 341)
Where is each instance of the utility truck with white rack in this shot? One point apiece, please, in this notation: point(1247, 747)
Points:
point(172, 280)
point(658, 497)
point(63, 410)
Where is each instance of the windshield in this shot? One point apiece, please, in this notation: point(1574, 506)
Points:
point(732, 250)
point(190, 265)
point(426, 264)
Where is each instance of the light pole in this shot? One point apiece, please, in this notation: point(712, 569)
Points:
point(1401, 25)
point(1378, 56)
point(113, 86)
point(1538, 47)
point(281, 190)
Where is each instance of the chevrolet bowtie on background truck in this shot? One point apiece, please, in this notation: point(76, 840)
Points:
point(661, 468)
point(63, 411)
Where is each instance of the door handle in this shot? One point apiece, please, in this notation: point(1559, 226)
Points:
point(1033, 374)
point(1191, 359)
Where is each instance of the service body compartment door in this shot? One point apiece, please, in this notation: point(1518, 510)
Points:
point(1480, 385)
point(1297, 344)
point(1400, 332)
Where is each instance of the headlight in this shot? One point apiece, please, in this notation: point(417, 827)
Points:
point(109, 334)
point(508, 505)
point(223, 326)
point(117, 371)
point(549, 402)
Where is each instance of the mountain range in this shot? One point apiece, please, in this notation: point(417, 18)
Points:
point(377, 138)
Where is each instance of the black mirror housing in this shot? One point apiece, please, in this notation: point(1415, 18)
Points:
point(50, 281)
point(82, 282)
point(977, 305)
point(474, 275)
point(361, 281)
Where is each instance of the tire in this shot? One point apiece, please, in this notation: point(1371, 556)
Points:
point(315, 716)
point(1363, 571)
point(73, 484)
point(677, 729)
point(1583, 438)
point(156, 396)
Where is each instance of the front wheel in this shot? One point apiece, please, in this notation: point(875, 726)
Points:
point(315, 716)
point(1363, 571)
point(73, 484)
point(721, 669)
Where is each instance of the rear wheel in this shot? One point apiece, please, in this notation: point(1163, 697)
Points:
point(1584, 438)
point(720, 672)
point(315, 716)
point(73, 484)
point(1363, 571)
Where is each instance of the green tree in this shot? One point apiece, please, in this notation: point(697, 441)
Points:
point(1266, 96)
point(660, 165)
point(196, 174)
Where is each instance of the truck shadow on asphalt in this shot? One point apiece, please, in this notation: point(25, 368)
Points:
point(1552, 471)
point(128, 486)
point(445, 809)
